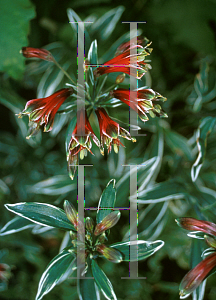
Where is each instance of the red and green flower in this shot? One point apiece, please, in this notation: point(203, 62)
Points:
point(142, 101)
point(134, 65)
point(110, 131)
point(79, 144)
point(42, 111)
point(195, 276)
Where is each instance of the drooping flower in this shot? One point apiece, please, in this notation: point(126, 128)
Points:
point(30, 52)
point(42, 111)
point(80, 143)
point(197, 225)
point(142, 101)
point(110, 131)
point(195, 276)
point(125, 62)
point(109, 253)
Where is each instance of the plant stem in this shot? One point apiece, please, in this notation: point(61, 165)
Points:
point(66, 74)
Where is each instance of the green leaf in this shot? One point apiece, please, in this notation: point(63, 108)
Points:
point(102, 281)
point(107, 200)
point(64, 262)
point(41, 213)
point(197, 235)
point(92, 54)
point(145, 249)
point(107, 23)
point(164, 191)
point(56, 185)
point(87, 289)
point(15, 16)
point(205, 128)
point(178, 144)
point(15, 225)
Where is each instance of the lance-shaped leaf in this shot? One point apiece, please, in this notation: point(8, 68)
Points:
point(205, 128)
point(109, 253)
point(197, 225)
point(56, 269)
point(105, 25)
point(108, 222)
point(137, 250)
point(89, 224)
point(87, 288)
point(107, 201)
point(102, 281)
point(178, 144)
point(41, 213)
point(15, 225)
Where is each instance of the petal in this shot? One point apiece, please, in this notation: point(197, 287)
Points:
point(195, 276)
point(197, 225)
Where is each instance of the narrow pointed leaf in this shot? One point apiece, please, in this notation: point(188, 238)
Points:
point(63, 263)
point(41, 213)
point(107, 23)
point(145, 249)
point(103, 283)
point(205, 128)
point(107, 200)
point(87, 288)
point(15, 225)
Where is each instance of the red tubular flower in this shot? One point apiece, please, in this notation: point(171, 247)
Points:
point(143, 102)
point(44, 54)
point(124, 61)
point(197, 225)
point(195, 276)
point(110, 131)
point(42, 111)
point(80, 143)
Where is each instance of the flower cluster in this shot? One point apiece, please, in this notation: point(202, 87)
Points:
point(207, 231)
point(130, 58)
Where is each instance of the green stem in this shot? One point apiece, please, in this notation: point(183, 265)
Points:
point(66, 74)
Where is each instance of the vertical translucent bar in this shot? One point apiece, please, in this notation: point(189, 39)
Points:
point(81, 228)
point(133, 79)
point(133, 222)
point(80, 81)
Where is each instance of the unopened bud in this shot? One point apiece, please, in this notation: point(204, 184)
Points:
point(108, 222)
point(120, 78)
point(30, 52)
point(110, 254)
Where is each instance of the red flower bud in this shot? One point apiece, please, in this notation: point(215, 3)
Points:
point(44, 54)
point(197, 225)
point(195, 276)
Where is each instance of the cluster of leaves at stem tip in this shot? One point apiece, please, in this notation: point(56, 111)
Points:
point(87, 243)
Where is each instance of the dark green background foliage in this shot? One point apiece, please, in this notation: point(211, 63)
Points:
point(170, 182)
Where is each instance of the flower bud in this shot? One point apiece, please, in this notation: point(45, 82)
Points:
point(210, 241)
point(110, 254)
point(195, 276)
point(44, 54)
point(197, 225)
point(72, 216)
point(108, 222)
point(120, 78)
point(89, 224)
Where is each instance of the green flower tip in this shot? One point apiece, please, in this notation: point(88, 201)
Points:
point(110, 254)
point(108, 222)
